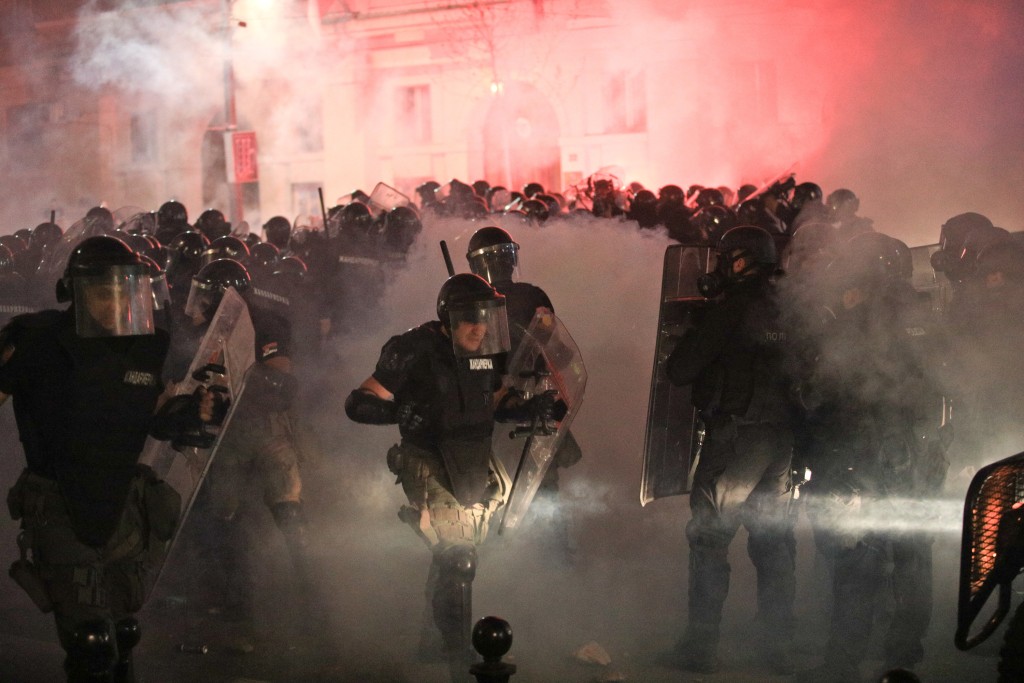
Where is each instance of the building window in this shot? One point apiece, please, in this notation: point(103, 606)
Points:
point(412, 120)
point(625, 100)
point(26, 127)
point(144, 138)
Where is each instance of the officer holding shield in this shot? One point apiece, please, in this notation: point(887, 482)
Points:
point(440, 384)
point(86, 384)
point(735, 358)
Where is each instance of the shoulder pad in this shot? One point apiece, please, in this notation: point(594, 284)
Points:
point(401, 350)
point(27, 321)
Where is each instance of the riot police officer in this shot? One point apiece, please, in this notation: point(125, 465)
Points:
point(440, 384)
point(878, 414)
point(259, 445)
point(735, 358)
point(86, 383)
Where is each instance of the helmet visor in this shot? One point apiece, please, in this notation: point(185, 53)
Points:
point(479, 328)
point(202, 300)
point(116, 303)
point(161, 292)
point(497, 263)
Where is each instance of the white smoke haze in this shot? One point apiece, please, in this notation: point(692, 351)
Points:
point(915, 109)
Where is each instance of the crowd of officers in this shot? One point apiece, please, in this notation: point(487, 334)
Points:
point(815, 352)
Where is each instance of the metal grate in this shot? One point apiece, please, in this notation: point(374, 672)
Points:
point(1002, 490)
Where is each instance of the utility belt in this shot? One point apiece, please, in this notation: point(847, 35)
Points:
point(73, 570)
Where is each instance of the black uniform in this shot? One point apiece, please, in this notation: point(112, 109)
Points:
point(735, 360)
point(877, 417)
point(258, 453)
point(445, 409)
point(89, 512)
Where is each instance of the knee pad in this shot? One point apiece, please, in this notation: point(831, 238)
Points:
point(458, 564)
point(93, 652)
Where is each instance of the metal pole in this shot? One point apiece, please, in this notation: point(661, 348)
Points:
point(235, 208)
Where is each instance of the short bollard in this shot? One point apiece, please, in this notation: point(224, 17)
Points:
point(492, 638)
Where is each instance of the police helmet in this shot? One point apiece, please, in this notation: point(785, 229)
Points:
point(469, 299)
point(537, 210)
point(45, 234)
point(843, 203)
point(110, 286)
point(710, 196)
point(493, 255)
point(804, 193)
point(428, 192)
point(213, 224)
point(99, 220)
point(172, 212)
point(530, 190)
point(671, 194)
point(14, 243)
point(355, 219)
point(951, 240)
point(6, 261)
point(481, 187)
point(868, 260)
point(1005, 257)
point(292, 266)
point(210, 283)
point(278, 230)
point(264, 256)
point(401, 226)
point(748, 242)
point(227, 246)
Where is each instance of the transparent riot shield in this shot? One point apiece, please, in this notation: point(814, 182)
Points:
point(547, 359)
point(226, 352)
point(384, 198)
point(55, 257)
point(992, 550)
point(674, 432)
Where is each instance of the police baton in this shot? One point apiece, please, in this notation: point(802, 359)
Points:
point(447, 258)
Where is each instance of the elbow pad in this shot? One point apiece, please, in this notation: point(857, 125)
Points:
point(369, 408)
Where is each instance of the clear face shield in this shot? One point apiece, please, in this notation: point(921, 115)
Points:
point(161, 292)
point(498, 263)
point(201, 301)
point(479, 328)
point(117, 303)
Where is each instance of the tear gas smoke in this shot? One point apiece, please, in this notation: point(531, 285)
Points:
point(916, 111)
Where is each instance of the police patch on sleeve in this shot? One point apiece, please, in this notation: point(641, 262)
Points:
point(481, 364)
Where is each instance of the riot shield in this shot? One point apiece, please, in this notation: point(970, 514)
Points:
point(674, 432)
point(547, 359)
point(992, 550)
point(384, 198)
point(55, 257)
point(225, 354)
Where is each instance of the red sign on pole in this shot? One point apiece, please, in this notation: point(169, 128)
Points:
point(242, 162)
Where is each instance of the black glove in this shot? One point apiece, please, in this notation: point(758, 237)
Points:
point(547, 408)
point(178, 421)
point(409, 418)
